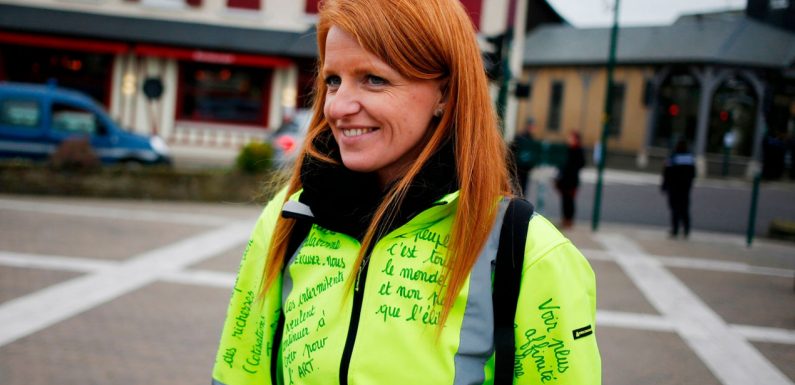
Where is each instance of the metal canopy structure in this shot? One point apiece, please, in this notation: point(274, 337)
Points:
point(157, 31)
point(729, 40)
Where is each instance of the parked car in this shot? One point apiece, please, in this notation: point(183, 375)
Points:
point(289, 137)
point(36, 119)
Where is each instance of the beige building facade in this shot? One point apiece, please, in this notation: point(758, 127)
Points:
point(581, 104)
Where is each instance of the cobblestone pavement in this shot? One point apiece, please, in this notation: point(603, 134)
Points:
point(134, 292)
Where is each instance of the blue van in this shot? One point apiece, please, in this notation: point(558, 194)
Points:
point(35, 119)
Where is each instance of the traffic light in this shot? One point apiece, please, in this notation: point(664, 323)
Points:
point(673, 109)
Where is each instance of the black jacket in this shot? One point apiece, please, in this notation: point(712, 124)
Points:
point(679, 172)
point(569, 172)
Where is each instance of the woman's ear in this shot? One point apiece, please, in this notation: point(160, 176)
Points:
point(439, 110)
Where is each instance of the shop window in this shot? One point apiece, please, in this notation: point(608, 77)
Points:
point(244, 4)
point(617, 109)
point(555, 106)
point(84, 71)
point(20, 113)
point(224, 94)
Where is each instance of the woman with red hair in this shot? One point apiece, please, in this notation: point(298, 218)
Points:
point(374, 264)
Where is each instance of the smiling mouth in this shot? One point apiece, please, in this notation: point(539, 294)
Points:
point(351, 132)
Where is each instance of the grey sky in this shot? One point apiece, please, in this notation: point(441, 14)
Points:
point(598, 13)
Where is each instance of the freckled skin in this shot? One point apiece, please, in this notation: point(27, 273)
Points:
point(366, 93)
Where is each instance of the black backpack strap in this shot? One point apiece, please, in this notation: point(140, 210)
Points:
point(507, 281)
point(297, 236)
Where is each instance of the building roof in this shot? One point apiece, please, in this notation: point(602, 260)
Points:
point(731, 39)
point(157, 31)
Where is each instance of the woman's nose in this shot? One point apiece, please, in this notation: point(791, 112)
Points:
point(342, 103)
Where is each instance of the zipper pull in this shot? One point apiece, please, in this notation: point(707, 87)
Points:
point(362, 266)
point(358, 277)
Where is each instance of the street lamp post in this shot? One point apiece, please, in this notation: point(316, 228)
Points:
point(607, 120)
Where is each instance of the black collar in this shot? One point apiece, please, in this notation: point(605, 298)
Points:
point(345, 201)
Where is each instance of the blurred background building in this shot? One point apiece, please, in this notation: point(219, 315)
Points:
point(196, 72)
point(219, 73)
point(720, 80)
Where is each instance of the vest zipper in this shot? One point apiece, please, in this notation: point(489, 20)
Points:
point(353, 328)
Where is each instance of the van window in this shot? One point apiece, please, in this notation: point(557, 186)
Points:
point(73, 120)
point(20, 113)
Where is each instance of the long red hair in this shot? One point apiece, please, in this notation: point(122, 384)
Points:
point(421, 39)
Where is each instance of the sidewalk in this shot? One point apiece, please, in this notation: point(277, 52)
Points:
point(135, 292)
point(707, 310)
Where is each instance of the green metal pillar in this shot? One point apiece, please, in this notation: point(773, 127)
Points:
point(749, 235)
point(607, 120)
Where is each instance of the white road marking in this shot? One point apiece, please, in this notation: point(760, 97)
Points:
point(89, 265)
point(114, 213)
point(730, 357)
point(28, 314)
point(626, 320)
point(201, 278)
point(700, 264)
point(637, 321)
point(763, 334)
point(54, 262)
point(725, 266)
point(653, 322)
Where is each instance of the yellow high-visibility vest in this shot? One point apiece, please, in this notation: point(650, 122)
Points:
point(383, 330)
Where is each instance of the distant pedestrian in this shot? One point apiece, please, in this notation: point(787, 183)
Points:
point(774, 150)
point(525, 155)
point(568, 179)
point(677, 182)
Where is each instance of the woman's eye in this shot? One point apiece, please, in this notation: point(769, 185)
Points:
point(333, 81)
point(376, 80)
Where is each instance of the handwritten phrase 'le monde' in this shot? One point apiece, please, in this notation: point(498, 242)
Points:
point(412, 276)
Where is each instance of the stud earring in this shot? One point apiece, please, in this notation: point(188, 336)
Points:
point(438, 112)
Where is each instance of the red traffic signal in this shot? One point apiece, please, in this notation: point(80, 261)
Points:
point(673, 110)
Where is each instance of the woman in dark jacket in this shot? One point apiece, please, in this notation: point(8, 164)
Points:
point(568, 178)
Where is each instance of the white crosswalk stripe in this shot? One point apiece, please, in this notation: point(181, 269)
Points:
point(33, 312)
point(728, 355)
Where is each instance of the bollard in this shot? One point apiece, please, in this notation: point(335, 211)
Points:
point(540, 196)
point(749, 238)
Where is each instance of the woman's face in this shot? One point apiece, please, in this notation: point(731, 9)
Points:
point(378, 117)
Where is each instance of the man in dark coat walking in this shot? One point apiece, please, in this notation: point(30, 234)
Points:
point(678, 176)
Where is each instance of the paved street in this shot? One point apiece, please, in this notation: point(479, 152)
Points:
point(629, 197)
point(134, 292)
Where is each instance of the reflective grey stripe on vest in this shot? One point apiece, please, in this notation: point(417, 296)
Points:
point(293, 208)
point(477, 331)
point(216, 382)
point(297, 209)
